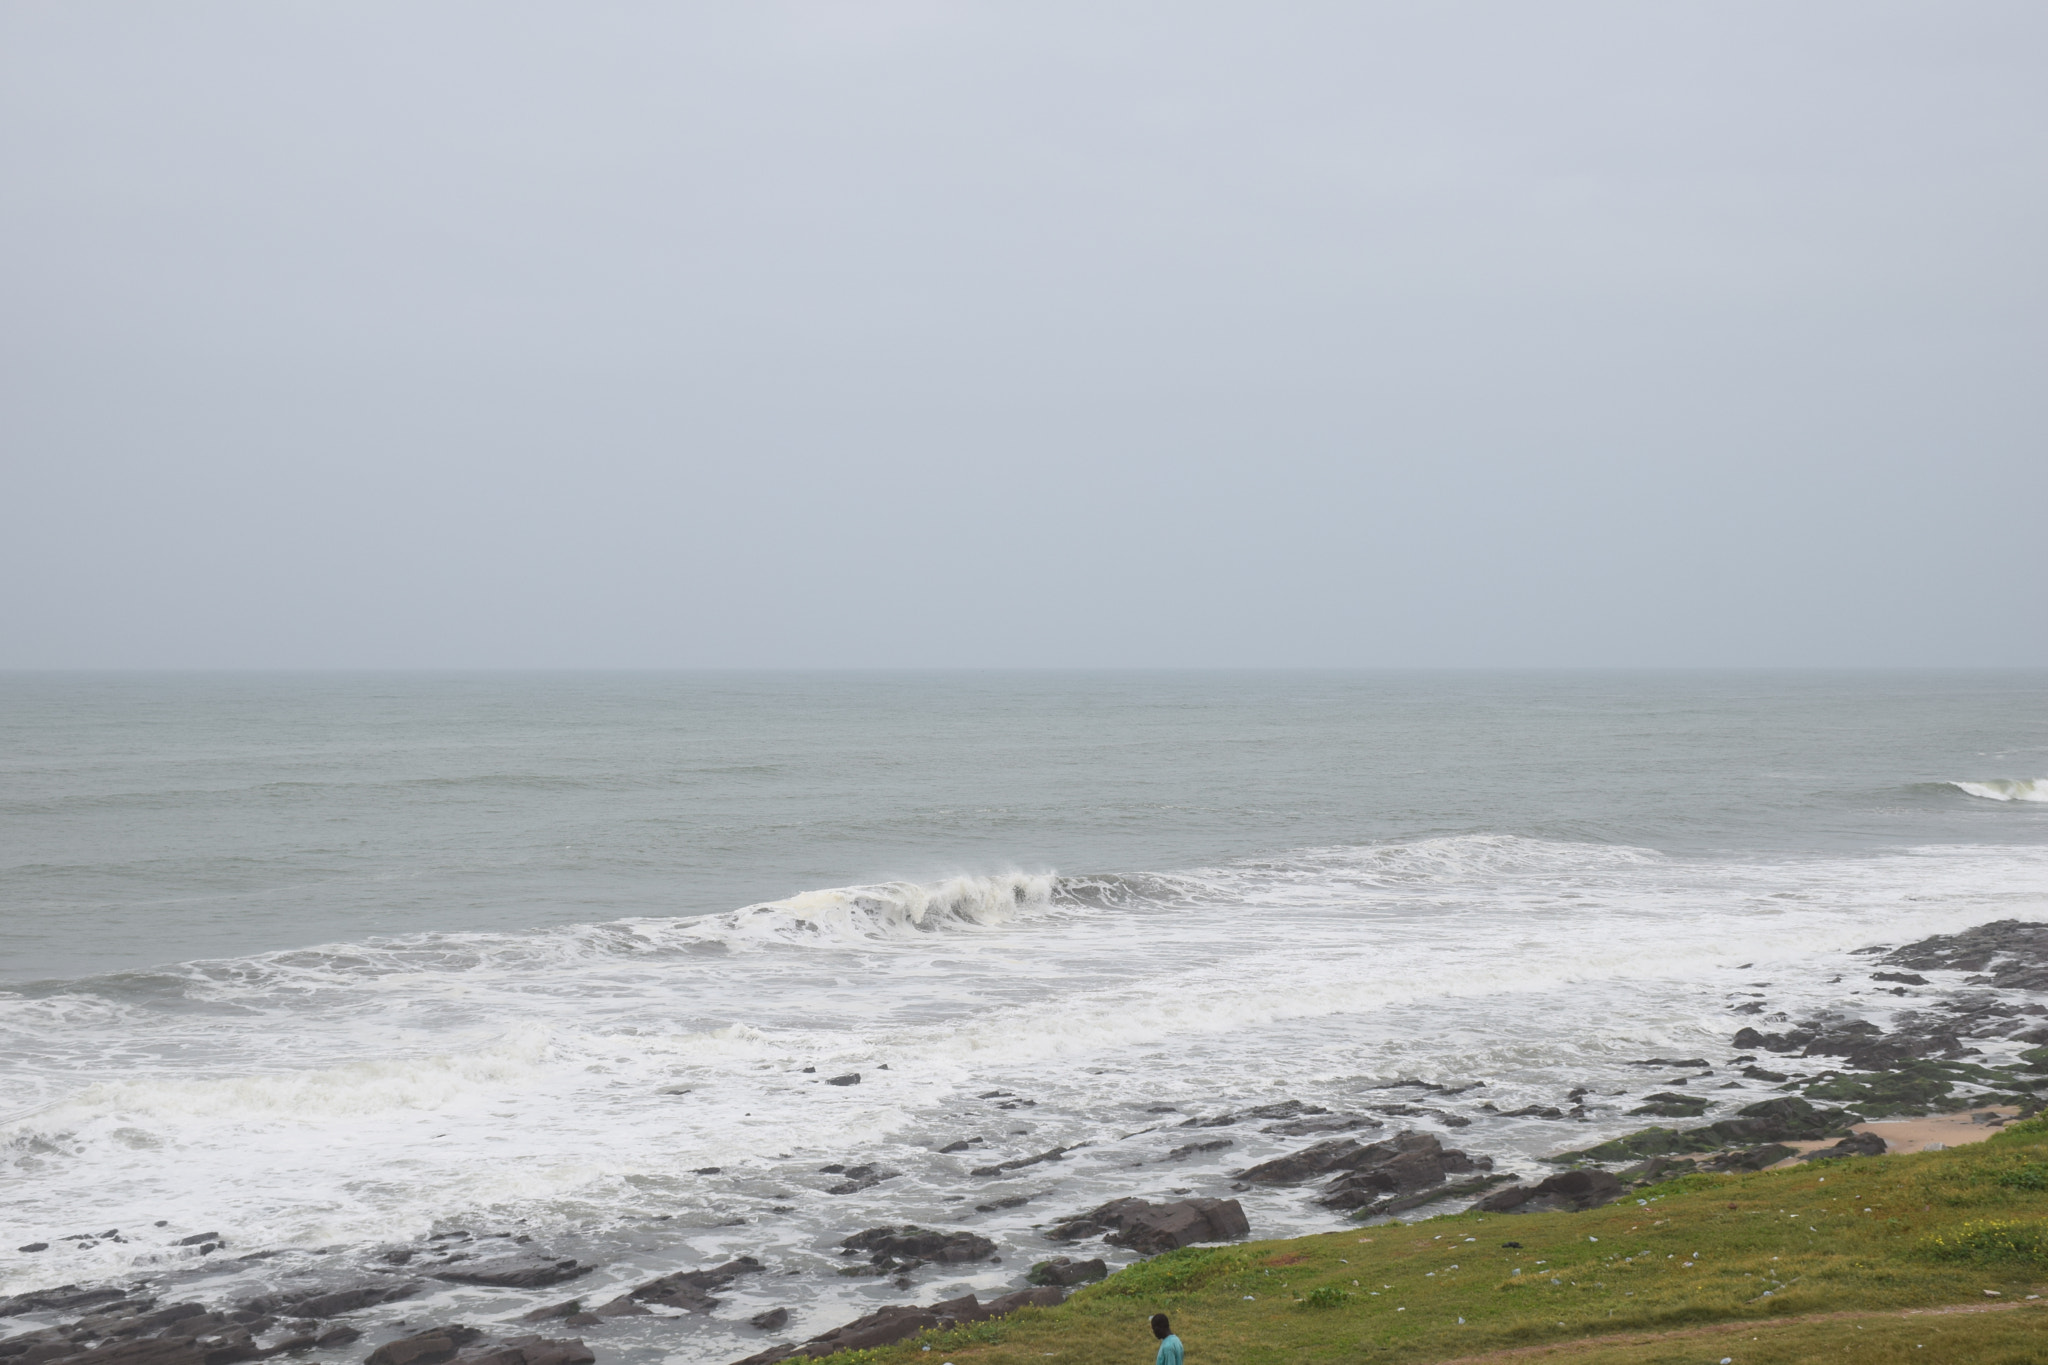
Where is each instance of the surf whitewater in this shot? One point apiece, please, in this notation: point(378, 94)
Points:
point(476, 1127)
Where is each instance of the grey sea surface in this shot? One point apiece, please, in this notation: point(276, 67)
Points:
point(325, 962)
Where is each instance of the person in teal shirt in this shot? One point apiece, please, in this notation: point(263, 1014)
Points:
point(1169, 1344)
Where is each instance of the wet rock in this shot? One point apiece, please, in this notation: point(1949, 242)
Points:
point(1015, 1201)
point(1321, 1159)
point(2010, 954)
point(1152, 1228)
point(1757, 1073)
point(1669, 1106)
point(65, 1298)
point(341, 1334)
point(773, 1320)
point(897, 1322)
point(1856, 1144)
point(690, 1290)
point(514, 1272)
point(1197, 1148)
point(1695, 1062)
point(1903, 978)
point(1286, 1109)
point(1066, 1271)
point(1055, 1154)
point(528, 1351)
point(1409, 1163)
point(198, 1238)
point(331, 1301)
point(34, 1246)
point(850, 1078)
point(1789, 1119)
point(1565, 1191)
point(430, 1347)
point(1443, 1116)
point(906, 1248)
point(1659, 1168)
point(1752, 1158)
point(1322, 1123)
point(859, 1178)
point(1912, 1089)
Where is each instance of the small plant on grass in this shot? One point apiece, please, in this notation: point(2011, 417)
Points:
point(1992, 1241)
point(1326, 1296)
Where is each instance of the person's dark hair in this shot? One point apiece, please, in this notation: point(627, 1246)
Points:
point(1161, 1328)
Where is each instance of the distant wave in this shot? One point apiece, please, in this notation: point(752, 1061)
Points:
point(887, 910)
point(2006, 788)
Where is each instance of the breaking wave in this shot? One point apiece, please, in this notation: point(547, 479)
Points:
point(2006, 788)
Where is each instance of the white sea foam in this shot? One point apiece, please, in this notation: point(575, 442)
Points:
point(574, 1077)
point(2006, 788)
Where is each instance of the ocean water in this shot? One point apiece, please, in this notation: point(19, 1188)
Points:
point(328, 962)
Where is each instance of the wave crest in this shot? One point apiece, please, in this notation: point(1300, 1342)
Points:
point(888, 910)
point(2006, 788)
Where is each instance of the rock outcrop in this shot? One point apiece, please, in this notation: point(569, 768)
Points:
point(905, 1248)
point(895, 1322)
point(1567, 1190)
point(1152, 1228)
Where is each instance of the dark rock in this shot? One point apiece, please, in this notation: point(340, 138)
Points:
point(2013, 954)
point(1669, 1106)
point(1567, 1190)
point(1532, 1111)
point(1757, 1073)
point(1912, 1089)
point(1015, 1201)
point(1752, 1158)
point(331, 1301)
point(552, 1311)
point(1903, 978)
point(905, 1248)
point(1395, 1168)
point(1659, 1168)
point(773, 1320)
point(1286, 1109)
point(529, 1351)
point(430, 1347)
point(859, 1178)
point(1401, 1203)
point(34, 1246)
point(1196, 1148)
point(1856, 1144)
point(65, 1298)
point(1055, 1154)
point(960, 1146)
point(690, 1290)
point(850, 1078)
point(1152, 1228)
point(1064, 1270)
point(1780, 1120)
point(1325, 1123)
point(196, 1238)
point(341, 1334)
point(1335, 1154)
point(514, 1272)
point(1445, 1117)
point(1672, 1061)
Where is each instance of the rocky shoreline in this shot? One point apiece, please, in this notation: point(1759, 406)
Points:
point(1828, 1071)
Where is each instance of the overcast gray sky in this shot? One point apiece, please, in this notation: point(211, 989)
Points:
point(346, 333)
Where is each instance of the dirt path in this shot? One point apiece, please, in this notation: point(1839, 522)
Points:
point(1751, 1327)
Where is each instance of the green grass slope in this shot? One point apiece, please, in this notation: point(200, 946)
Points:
point(1834, 1260)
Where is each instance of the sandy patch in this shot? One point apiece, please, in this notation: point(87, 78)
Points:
point(1936, 1131)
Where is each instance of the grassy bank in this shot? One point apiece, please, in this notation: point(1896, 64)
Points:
point(1835, 1260)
